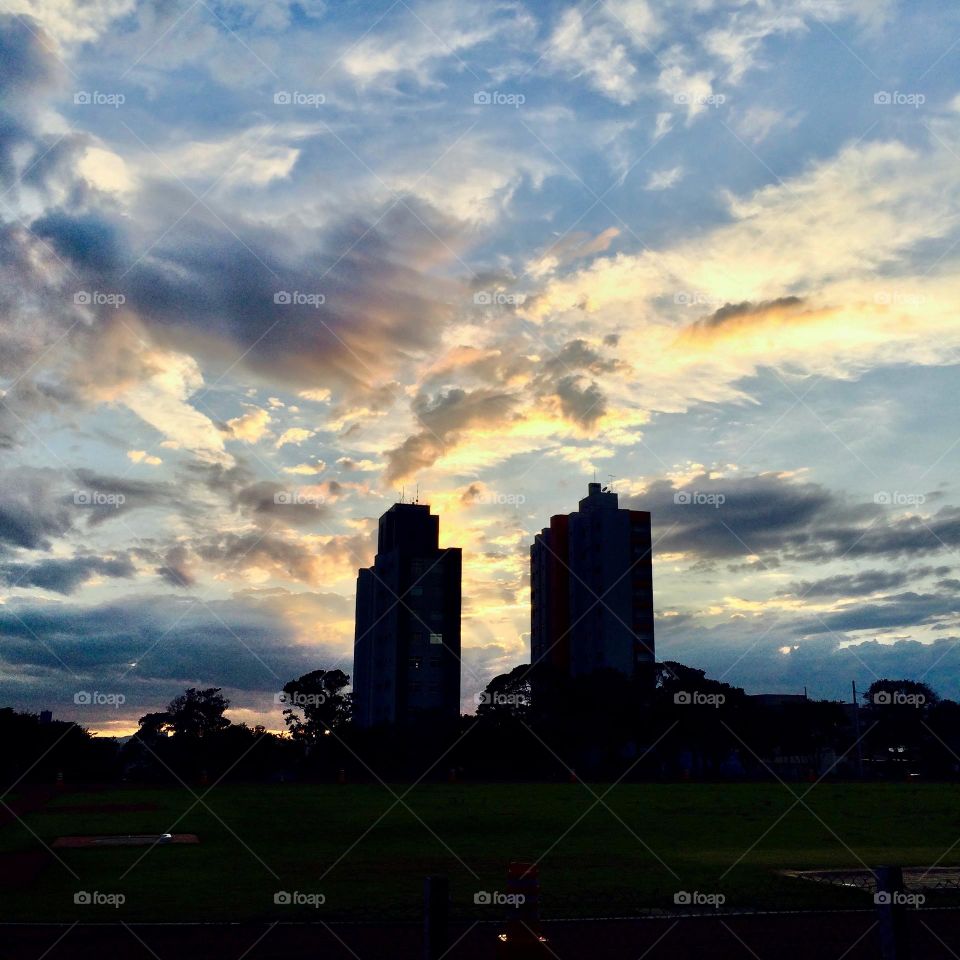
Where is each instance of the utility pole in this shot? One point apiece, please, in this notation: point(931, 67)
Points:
point(856, 729)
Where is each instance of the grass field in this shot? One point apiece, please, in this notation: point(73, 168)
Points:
point(367, 854)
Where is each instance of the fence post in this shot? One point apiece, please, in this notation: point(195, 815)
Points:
point(891, 914)
point(520, 938)
point(436, 901)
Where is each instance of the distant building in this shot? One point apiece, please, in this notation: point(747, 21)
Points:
point(407, 642)
point(777, 699)
point(591, 580)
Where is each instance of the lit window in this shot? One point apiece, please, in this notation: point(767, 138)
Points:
point(436, 638)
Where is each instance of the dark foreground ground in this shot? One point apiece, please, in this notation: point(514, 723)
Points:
point(934, 935)
point(366, 848)
point(602, 853)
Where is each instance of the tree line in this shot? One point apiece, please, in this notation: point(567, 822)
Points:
point(529, 725)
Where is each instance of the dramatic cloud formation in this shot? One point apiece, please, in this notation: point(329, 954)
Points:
point(246, 302)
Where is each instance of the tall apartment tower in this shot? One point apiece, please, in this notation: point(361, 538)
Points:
point(591, 582)
point(406, 651)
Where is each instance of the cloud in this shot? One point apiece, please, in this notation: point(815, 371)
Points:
point(141, 456)
point(250, 426)
point(824, 663)
point(33, 508)
point(176, 569)
point(774, 515)
point(580, 401)
point(719, 517)
point(294, 435)
point(68, 24)
point(576, 245)
point(28, 61)
point(65, 575)
point(595, 52)
point(269, 553)
point(864, 583)
point(443, 418)
point(269, 503)
point(909, 609)
point(99, 497)
point(746, 314)
point(436, 32)
point(362, 466)
point(756, 123)
point(664, 179)
point(306, 469)
point(215, 301)
point(151, 647)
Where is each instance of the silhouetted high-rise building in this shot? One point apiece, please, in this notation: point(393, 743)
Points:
point(407, 642)
point(591, 582)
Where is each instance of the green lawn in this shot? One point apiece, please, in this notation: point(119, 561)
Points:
point(369, 863)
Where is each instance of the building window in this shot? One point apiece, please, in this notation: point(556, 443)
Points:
point(436, 638)
point(416, 663)
point(416, 591)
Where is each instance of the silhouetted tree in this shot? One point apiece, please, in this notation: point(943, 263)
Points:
point(317, 704)
point(35, 752)
point(508, 695)
point(896, 711)
point(198, 713)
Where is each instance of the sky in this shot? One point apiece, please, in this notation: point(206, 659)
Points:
point(269, 266)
